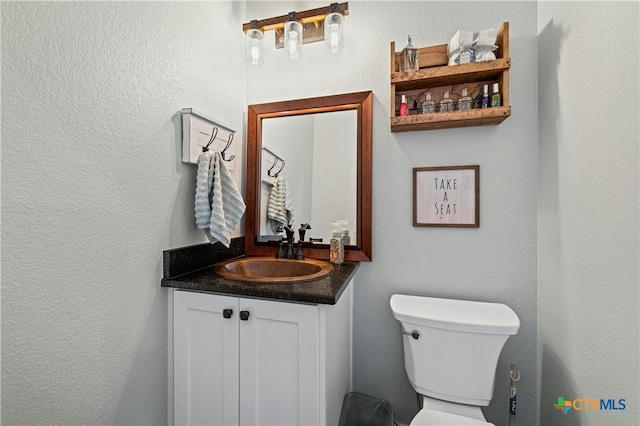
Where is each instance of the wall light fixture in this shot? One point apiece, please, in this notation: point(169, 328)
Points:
point(293, 37)
point(255, 53)
point(333, 27)
point(297, 28)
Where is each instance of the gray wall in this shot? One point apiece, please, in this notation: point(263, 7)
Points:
point(588, 209)
point(496, 262)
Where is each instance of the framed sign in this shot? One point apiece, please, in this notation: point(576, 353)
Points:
point(446, 196)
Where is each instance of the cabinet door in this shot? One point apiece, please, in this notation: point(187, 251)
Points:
point(279, 364)
point(205, 359)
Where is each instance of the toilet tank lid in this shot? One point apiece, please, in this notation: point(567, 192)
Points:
point(459, 315)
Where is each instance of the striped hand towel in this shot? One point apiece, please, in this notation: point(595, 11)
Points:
point(218, 203)
point(279, 210)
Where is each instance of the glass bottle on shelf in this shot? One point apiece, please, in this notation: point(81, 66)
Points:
point(410, 57)
point(495, 97)
point(485, 96)
point(465, 102)
point(404, 108)
point(428, 106)
point(446, 104)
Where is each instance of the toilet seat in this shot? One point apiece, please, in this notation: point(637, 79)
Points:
point(428, 417)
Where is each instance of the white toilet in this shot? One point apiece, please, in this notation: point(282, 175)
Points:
point(451, 350)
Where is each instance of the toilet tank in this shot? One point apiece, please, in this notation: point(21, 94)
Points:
point(455, 356)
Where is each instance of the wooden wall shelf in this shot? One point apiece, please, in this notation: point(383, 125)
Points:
point(437, 77)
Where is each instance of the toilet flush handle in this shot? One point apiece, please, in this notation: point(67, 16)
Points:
point(415, 334)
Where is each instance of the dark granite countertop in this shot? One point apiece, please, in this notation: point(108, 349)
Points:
point(197, 274)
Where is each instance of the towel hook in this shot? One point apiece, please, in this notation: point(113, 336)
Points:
point(224, 151)
point(281, 167)
point(214, 133)
point(275, 161)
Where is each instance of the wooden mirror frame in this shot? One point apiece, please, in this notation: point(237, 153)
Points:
point(360, 102)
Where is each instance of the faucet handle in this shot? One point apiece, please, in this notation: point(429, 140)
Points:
point(289, 232)
point(303, 230)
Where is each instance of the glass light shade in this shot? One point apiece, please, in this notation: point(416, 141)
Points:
point(333, 34)
point(255, 52)
point(293, 39)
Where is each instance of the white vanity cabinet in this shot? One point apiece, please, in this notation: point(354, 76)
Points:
point(241, 361)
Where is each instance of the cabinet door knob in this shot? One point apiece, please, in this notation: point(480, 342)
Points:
point(227, 313)
point(244, 315)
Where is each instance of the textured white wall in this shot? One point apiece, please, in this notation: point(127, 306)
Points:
point(588, 255)
point(93, 190)
point(496, 262)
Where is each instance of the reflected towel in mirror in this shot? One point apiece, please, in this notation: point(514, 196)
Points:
point(279, 210)
point(218, 203)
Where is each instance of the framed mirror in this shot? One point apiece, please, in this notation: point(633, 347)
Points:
point(309, 162)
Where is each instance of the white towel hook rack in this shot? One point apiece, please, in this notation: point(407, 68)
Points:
point(201, 134)
point(276, 159)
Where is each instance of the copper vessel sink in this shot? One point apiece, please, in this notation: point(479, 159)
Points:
point(271, 270)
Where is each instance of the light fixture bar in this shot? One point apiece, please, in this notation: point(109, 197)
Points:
point(307, 16)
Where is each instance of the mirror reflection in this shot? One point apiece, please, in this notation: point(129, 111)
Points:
point(308, 175)
point(309, 162)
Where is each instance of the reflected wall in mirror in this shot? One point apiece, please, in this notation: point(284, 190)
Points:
point(309, 161)
point(317, 165)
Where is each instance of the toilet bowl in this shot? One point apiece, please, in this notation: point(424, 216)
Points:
point(427, 417)
point(451, 350)
point(439, 412)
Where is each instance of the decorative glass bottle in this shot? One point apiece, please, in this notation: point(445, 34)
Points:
point(428, 106)
point(485, 96)
point(465, 102)
point(446, 104)
point(404, 108)
point(410, 58)
point(495, 97)
point(336, 245)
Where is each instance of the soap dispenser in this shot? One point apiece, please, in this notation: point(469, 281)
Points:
point(410, 57)
point(344, 232)
point(336, 245)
